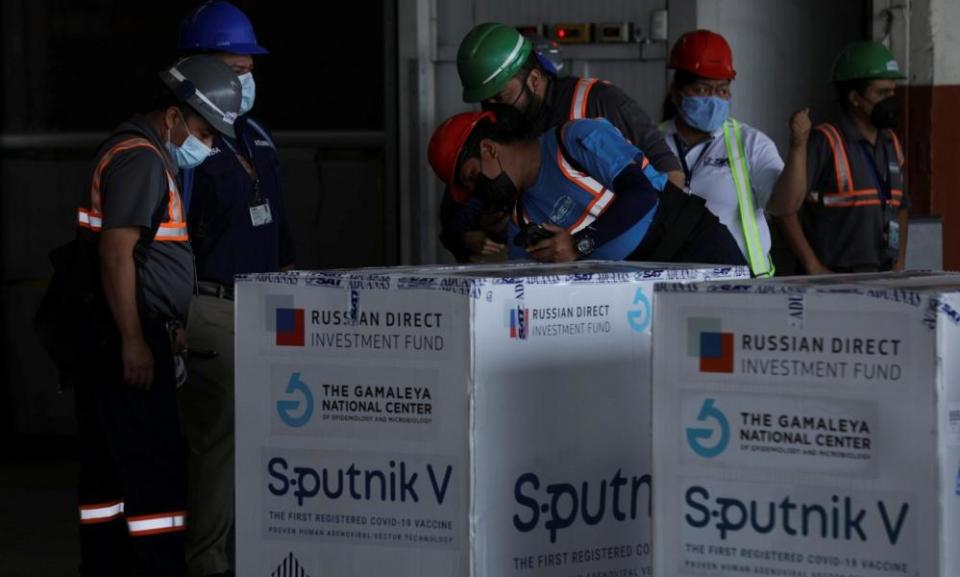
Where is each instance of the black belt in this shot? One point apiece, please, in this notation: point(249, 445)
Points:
point(215, 289)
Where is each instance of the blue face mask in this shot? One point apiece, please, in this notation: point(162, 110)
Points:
point(706, 113)
point(189, 154)
point(248, 92)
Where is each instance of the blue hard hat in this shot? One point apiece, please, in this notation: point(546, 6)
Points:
point(218, 26)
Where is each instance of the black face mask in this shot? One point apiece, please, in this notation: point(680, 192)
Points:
point(497, 193)
point(532, 111)
point(886, 113)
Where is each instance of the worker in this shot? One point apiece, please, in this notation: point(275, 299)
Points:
point(577, 191)
point(855, 214)
point(132, 485)
point(238, 224)
point(498, 67)
point(732, 165)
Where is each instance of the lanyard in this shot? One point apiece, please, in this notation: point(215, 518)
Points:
point(883, 185)
point(253, 168)
point(682, 153)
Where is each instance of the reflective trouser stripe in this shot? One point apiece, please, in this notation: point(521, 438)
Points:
point(760, 264)
point(101, 512)
point(154, 524)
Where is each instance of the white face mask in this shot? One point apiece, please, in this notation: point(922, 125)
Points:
point(248, 91)
point(191, 153)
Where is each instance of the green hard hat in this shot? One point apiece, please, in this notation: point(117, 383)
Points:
point(866, 60)
point(488, 57)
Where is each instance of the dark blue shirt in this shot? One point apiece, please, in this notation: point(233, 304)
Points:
point(225, 242)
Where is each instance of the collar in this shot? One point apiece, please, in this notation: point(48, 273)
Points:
point(140, 124)
point(852, 135)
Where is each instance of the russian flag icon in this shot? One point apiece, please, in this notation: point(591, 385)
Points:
point(290, 328)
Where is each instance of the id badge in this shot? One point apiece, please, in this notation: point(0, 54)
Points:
point(260, 212)
point(893, 236)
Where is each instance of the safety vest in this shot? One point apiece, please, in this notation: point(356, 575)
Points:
point(174, 224)
point(760, 263)
point(846, 195)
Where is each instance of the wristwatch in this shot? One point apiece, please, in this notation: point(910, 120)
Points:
point(584, 246)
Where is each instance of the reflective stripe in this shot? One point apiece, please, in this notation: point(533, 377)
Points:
point(172, 233)
point(228, 117)
point(601, 196)
point(581, 94)
point(864, 197)
point(100, 513)
point(174, 228)
point(841, 163)
point(87, 220)
point(153, 524)
point(510, 58)
point(760, 264)
point(897, 148)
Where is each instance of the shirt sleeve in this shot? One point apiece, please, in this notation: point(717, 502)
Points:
point(598, 147)
point(608, 101)
point(765, 167)
point(132, 186)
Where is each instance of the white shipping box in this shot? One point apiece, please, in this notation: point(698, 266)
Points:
point(478, 421)
point(805, 428)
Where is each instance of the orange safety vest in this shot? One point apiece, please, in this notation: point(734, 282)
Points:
point(845, 195)
point(174, 225)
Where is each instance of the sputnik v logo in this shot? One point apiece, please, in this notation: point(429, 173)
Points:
point(288, 408)
point(696, 437)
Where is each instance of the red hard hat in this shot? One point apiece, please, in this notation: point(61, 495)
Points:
point(705, 54)
point(446, 144)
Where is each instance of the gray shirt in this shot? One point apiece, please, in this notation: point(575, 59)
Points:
point(133, 186)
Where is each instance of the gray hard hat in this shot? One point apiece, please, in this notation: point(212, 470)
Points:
point(209, 86)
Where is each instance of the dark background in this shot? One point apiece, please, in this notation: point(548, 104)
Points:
point(72, 70)
point(85, 66)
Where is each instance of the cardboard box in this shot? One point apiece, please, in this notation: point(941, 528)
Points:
point(808, 427)
point(471, 421)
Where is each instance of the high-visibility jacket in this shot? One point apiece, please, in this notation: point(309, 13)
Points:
point(173, 226)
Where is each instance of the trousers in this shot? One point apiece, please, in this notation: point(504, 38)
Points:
point(132, 485)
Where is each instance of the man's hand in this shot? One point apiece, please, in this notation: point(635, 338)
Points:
point(816, 267)
point(477, 242)
point(180, 341)
point(137, 363)
point(800, 127)
point(557, 248)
